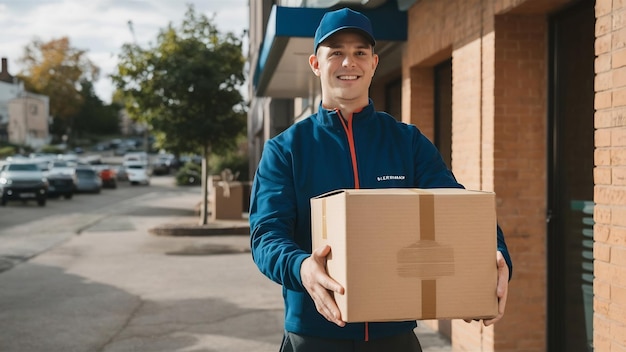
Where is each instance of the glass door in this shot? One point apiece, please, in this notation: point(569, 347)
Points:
point(570, 178)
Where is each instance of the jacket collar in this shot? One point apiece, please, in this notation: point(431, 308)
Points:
point(329, 117)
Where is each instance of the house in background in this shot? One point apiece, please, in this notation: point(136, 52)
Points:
point(29, 120)
point(24, 116)
point(525, 98)
point(9, 89)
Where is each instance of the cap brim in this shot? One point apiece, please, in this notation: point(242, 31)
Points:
point(366, 35)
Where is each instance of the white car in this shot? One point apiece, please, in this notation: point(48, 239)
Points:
point(137, 173)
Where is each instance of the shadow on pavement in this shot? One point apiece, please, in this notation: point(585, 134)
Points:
point(45, 309)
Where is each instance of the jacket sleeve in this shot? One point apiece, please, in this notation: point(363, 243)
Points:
point(272, 220)
point(432, 172)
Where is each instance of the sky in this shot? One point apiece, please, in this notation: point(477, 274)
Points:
point(101, 27)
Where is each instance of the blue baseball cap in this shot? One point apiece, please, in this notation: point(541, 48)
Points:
point(338, 20)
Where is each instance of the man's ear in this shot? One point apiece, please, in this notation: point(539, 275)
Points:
point(374, 64)
point(315, 64)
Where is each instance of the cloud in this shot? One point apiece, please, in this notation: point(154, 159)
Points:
point(101, 26)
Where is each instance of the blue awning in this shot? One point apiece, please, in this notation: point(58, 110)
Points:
point(282, 68)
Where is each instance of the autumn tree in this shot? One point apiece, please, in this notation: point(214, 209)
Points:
point(56, 69)
point(185, 87)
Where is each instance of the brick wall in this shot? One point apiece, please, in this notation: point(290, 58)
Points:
point(520, 173)
point(610, 177)
point(498, 139)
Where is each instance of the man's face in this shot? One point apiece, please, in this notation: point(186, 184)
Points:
point(345, 63)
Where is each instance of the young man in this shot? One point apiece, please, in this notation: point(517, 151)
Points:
point(346, 144)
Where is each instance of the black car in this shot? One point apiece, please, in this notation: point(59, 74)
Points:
point(61, 185)
point(23, 181)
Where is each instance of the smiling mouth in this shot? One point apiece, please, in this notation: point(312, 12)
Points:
point(348, 78)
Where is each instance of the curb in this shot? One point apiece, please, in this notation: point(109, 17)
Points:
point(200, 230)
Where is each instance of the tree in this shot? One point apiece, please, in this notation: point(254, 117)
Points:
point(55, 69)
point(94, 117)
point(186, 87)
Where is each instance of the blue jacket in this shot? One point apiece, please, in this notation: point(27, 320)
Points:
point(317, 155)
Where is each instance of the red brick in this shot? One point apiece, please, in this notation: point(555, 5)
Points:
point(603, 7)
point(602, 289)
point(617, 313)
point(602, 175)
point(618, 256)
point(602, 156)
point(618, 137)
point(602, 251)
point(605, 99)
point(603, 44)
point(602, 137)
point(618, 59)
point(618, 176)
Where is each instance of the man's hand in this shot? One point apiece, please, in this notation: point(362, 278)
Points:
point(502, 289)
point(319, 285)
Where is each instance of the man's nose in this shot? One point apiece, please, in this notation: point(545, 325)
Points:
point(348, 61)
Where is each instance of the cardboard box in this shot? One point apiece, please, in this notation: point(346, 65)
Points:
point(225, 199)
point(409, 254)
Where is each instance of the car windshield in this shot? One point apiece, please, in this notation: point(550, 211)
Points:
point(59, 164)
point(22, 167)
point(135, 166)
point(85, 173)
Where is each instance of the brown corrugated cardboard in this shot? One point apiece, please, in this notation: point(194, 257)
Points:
point(406, 254)
point(226, 199)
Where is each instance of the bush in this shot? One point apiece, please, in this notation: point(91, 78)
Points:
point(7, 151)
point(237, 163)
point(189, 174)
point(51, 149)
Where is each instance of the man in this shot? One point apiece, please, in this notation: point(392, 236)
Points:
point(346, 144)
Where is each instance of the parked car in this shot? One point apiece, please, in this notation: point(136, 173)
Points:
point(61, 166)
point(120, 173)
point(61, 185)
point(87, 180)
point(107, 175)
point(23, 181)
point(163, 164)
point(137, 173)
point(136, 158)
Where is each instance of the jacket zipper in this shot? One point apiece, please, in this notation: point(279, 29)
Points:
point(347, 126)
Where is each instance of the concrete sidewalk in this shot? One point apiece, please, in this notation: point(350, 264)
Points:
point(128, 282)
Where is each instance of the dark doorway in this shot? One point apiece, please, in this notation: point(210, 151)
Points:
point(393, 98)
point(570, 179)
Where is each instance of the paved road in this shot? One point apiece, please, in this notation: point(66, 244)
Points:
point(27, 229)
point(16, 213)
point(114, 286)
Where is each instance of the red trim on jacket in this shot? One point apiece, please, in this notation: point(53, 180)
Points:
point(347, 126)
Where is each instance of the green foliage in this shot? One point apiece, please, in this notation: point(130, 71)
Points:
point(94, 117)
point(186, 86)
point(189, 174)
point(7, 151)
point(50, 149)
point(236, 161)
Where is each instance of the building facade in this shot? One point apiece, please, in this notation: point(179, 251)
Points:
point(29, 119)
point(522, 97)
point(9, 89)
point(24, 116)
